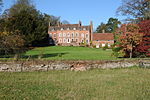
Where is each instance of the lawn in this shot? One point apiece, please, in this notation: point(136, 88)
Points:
point(98, 84)
point(70, 53)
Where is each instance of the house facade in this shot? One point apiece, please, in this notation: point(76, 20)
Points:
point(102, 39)
point(76, 35)
point(70, 34)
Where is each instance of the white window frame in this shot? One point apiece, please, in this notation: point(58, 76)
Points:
point(82, 35)
point(55, 35)
point(87, 35)
point(62, 29)
point(64, 34)
point(68, 41)
point(50, 34)
point(68, 34)
point(64, 40)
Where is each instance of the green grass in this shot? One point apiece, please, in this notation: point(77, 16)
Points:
point(71, 53)
point(109, 84)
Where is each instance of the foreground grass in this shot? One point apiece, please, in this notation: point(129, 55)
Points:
point(71, 53)
point(97, 84)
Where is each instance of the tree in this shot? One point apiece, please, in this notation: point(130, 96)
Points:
point(112, 25)
point(135, 8)
point(65, 22)
point(11, 43)
point(32, 24)
point(129, 40)
point(144, 47)
point(19, 6)
point(0, 5)
point(102, 28)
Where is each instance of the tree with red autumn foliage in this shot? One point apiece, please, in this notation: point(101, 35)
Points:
point(144, 47)
point(128, 39)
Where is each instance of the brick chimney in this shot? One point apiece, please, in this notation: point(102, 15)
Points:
point(91, 30)
point(79, 24)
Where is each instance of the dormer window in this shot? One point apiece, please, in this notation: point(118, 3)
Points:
point(74, 28)
point(68, 28)
point(61, 29)
point(84, 28)
point(53, 29)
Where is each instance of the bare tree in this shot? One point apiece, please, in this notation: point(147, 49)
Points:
point(135, 8)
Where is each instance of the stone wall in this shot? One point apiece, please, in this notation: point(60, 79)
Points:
point(40, 65)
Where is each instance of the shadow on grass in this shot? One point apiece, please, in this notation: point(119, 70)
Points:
point(35, 56)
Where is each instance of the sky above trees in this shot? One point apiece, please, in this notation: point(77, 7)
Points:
point(74, 10)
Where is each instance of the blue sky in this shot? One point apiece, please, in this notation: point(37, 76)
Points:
point(74, 10)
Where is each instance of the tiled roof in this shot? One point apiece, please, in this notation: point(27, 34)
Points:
point(103, 36)
point(70, 26)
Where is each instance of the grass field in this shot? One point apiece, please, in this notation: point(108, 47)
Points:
point(70, 53)
point(109, 84)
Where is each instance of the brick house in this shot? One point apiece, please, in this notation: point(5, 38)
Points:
point(76, 34)
point(102, 39)
point(70, 34)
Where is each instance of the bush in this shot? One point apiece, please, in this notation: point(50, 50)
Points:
point(11, 43)
point(105, 47)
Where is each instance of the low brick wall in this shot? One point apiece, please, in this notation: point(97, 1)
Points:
point(39, 65)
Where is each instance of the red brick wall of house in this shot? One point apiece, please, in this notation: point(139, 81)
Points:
point(71, 36)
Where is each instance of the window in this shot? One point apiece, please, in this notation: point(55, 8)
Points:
point(84, 28)
point(64, 40)
point(72, 40)
point(109, 45)
point(76, 40)
point(60, 40)
point(55, 35)
point(68, 35)
point(87, 35)
point(72, 34)
point(87, 41)
point(74, 28)
point(61, 29)
point(82, 35)
point(68, 28)
point(60, 35)
point(50, 34)
point(64, 34)
point(76, 34)
point(68, 40)
point(103, 45)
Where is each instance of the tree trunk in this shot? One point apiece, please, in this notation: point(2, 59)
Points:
point(131, 51)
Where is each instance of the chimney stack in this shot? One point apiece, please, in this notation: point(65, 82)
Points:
point(91, 31)
point(79, 23)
